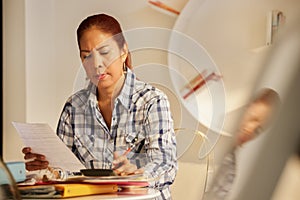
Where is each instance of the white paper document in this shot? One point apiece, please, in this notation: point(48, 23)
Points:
point(43, 140)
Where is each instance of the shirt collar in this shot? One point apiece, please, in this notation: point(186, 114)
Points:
point(125, 96)
point(92, 90)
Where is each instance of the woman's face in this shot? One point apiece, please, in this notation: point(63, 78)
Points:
point(102, 58)
point(253, 122)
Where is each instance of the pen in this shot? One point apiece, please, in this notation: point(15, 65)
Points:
point(127, 151)
point(132, 145)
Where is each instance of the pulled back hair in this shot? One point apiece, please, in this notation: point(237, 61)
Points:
point(106, 24)
point(268, 96)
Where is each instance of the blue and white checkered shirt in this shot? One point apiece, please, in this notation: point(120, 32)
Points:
point(141, 113)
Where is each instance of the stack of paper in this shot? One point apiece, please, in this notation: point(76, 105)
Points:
point(65, 190)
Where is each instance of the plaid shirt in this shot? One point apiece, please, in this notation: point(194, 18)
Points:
point(141, 115)
point(224, 179)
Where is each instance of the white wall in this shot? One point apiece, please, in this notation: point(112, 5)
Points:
point(14, 90)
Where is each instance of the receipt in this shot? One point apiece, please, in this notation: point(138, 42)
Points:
point(43, 140)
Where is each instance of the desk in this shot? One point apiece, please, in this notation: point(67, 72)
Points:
point(145, 194)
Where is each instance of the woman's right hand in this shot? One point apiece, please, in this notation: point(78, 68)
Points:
point(36, 161)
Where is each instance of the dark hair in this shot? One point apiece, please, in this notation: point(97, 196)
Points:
point(106, 24)
point(268, 96)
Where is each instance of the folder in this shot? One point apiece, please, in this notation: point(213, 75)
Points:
point(66, 190)
point(78, 189)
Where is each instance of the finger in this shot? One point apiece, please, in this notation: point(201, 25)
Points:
point(121, 160)
point(116, 155)
point(26, 150)
point(139, 171)
point(115, 162)
point(36, 165)
point(126, 169)
point(119, 167)
point(130, 169)
point(34, 156)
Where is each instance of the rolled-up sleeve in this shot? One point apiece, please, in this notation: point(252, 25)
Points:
point(161, 144)
point(64, 128)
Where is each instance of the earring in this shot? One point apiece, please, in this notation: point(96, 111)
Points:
point(124, 68)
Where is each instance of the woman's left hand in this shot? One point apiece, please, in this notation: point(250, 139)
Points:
point(123, 167)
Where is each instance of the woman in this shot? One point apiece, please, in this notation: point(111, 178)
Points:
point(255, 120)
point(115, 112)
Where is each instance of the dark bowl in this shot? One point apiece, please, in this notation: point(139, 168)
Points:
point(97, 172)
